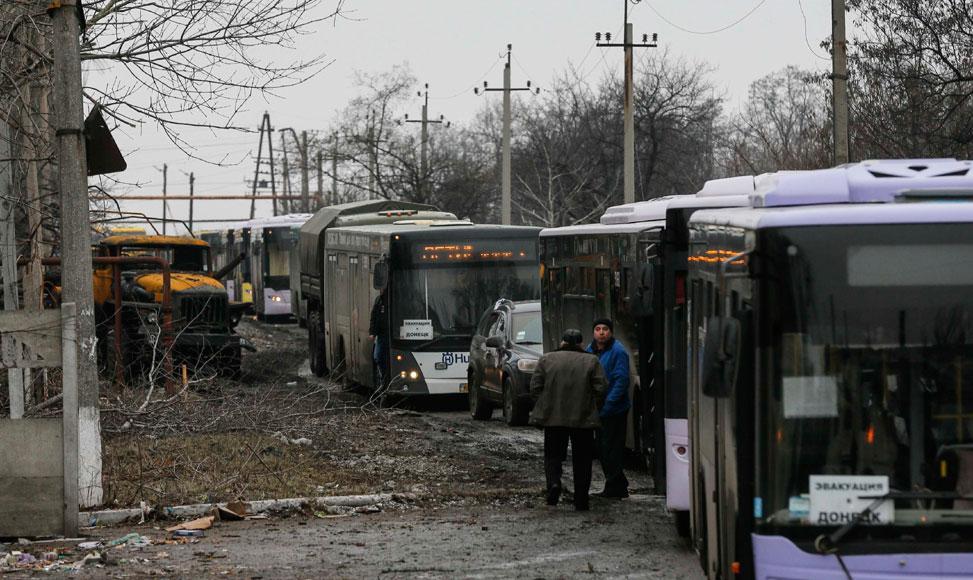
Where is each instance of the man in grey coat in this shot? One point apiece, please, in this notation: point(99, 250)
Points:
point(568, 389)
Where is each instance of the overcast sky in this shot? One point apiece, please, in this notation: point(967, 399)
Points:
point(455, 45)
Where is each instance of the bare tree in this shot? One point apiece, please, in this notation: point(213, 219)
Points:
point(912, 78)
point(784, 124)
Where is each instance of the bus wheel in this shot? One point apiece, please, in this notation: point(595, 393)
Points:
point(513, 408)
point(682, 523)
point(480, 408)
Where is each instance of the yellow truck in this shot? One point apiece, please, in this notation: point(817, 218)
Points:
point(158, 296)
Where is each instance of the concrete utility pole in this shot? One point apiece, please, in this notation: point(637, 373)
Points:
point(192, 181)
point(839, 79)
point(76, 239)
point(628, 45)
point(320, 166)
point(424, 156)
point(8, 254)
point(286, 185)
point(165, 203)
point(505, 187)
point(305, 184)
point(334, 171)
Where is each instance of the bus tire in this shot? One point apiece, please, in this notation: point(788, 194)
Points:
point(480, 408)
point(682, 523)
point(514, 411)
point(316, 345)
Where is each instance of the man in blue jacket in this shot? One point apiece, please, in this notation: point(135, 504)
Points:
point(614, 414)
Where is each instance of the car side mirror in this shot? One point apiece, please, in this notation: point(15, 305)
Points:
point(494, 342)
point(380, 279)
point(721, 356)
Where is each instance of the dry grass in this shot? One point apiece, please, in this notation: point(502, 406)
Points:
point(218, 467)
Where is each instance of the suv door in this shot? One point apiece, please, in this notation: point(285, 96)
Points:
point(492, 358)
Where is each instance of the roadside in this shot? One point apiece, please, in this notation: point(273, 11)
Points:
point(460, 498)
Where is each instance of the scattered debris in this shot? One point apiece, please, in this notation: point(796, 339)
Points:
point(197, 524)
point(285, 439)
point(88, 546)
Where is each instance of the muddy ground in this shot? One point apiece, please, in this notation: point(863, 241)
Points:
point(468, 494)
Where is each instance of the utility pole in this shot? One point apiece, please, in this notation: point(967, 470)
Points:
point(165, 204)
point(839, 79)
point(8, 254)
point(505, 156)
point(320, 167)
point(628, 45)
point(305, 180)
point(334, 172)
point(286, 184)
point(268, 131)
point(76, 238)
point(424, 163)
point(192, 181)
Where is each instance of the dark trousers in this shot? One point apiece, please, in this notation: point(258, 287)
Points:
point(381, 358)
point(582, 454)
point(611, 443)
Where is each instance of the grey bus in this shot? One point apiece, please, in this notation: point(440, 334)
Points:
point(441, 276)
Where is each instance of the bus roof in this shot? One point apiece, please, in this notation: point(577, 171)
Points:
point(640, 211)
point(868, 181)
point(843, 214)
point(440, 229)
point(603, 229)
point(291, 219)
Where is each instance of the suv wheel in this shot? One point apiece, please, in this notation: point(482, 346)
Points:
point(480, 409)
point(514, 410)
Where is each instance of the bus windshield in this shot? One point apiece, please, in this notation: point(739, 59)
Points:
point(869, 358)
point(447, 301)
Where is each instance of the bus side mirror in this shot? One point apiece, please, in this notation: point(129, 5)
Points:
point(721, 357)
point(641, 292)
point(380, 279)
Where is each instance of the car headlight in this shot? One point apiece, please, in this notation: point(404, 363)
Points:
point(527, 364)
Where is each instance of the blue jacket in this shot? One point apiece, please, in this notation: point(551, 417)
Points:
point(614, 359)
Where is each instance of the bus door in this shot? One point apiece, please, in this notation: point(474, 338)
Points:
point(552, 310)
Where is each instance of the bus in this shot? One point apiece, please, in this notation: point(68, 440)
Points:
point(235, 240)
point(441, 276)
point(273, 257)
point(831, 373)
point(597, 270)
point(314, 285)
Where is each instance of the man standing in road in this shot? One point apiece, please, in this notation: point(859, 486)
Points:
point(614, 414)
point(568, 387)
point(378, 332)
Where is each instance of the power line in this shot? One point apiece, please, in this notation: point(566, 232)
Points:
point(704, 32)
point(806, 41)
point(466, 90)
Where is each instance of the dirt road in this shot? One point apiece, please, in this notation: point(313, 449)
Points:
point(473, 504)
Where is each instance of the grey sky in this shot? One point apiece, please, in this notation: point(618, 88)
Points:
point(456, 44)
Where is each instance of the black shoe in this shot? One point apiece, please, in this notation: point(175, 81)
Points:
point(581, 507)
point(553, 495)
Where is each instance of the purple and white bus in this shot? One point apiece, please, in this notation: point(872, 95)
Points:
point(831, 376)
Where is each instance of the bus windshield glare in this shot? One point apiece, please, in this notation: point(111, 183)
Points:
point(868, 349)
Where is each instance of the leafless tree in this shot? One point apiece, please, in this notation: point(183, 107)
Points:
point(912, 78)
point(783, 125)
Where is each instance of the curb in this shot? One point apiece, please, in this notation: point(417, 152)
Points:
point(112, 517)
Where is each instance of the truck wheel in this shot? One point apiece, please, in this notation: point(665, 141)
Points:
point(316, 345)
point(480, 408)
point(514, 410)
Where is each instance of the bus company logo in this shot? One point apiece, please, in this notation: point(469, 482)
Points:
point(451, 358)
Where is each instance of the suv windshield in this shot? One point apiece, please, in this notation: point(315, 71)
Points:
point(870, 363)
point(527, 328)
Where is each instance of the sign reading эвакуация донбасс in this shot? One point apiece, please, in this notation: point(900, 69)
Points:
point(836, 499)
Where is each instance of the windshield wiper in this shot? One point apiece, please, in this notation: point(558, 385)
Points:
point(828, 544)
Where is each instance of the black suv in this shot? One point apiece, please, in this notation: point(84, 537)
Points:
point(503, 354)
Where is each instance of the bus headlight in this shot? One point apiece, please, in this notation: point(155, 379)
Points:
point(527, 364)
point(413, 375)
point(275, 298)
